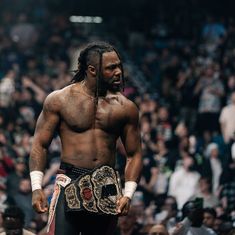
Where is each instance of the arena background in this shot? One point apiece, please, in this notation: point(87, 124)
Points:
point(179, 64)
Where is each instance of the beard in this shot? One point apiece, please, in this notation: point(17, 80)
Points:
point(110, 84)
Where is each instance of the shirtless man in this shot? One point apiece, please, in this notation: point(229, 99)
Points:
point(90, 115)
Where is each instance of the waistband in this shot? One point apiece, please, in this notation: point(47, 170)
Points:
point(72, 171)
point(96, 191)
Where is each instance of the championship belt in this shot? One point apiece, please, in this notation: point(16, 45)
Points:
point(96, 191)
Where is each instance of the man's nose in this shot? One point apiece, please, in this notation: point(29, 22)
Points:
point(118, 71)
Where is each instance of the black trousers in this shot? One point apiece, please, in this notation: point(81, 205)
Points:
point(82, 222)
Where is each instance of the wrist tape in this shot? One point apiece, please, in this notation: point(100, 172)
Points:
point(36, 179)
point(129, 190)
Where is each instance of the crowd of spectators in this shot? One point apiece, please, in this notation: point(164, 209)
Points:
point(186, 118)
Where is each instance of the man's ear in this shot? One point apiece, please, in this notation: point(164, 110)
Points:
point(92, 70)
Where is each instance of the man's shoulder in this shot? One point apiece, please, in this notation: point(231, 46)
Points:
point(127, 102)
point(127, 107)
point(209, 231)
point(131, 109)
point(227, 108)
point(202, 230)
point(57, 97)
point(54, 95)
point(60, 92)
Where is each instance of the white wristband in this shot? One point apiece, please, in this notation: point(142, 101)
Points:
point(129, 190)
point(36, 180)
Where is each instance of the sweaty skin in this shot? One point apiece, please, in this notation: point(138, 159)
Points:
point(89, 129)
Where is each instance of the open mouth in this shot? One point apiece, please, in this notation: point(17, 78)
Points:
point(118, 82)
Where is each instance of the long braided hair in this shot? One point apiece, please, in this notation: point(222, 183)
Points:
point(88, 55)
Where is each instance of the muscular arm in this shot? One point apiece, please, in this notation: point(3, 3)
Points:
point(132, 143)
point(45, 127)
point(131, 140)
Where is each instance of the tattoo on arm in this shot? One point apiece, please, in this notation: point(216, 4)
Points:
point(37, 159)
point(45, 128)
point(132, 143)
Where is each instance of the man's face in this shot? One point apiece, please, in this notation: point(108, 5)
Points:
point(208, 220)
point(127, 222)
point(158, 230)
point(111, 71)
point(204, 185)
point(168, 206)
point(188, 162)
point(25, 186)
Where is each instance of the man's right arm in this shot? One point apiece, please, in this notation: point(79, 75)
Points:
point(44, 132)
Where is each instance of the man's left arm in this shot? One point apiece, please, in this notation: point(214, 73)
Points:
point(132, 142)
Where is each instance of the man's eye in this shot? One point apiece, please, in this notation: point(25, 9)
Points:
point(113, 67)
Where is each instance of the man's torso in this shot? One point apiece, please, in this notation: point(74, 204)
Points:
point(89, 131)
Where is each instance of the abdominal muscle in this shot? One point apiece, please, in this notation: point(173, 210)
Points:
point(88, 149)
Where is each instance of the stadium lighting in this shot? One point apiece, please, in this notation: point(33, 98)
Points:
point(86, 19)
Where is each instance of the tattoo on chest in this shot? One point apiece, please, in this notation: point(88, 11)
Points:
point(86, 113)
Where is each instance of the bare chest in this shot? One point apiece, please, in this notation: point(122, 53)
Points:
point(84, 114)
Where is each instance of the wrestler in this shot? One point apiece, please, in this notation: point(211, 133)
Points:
point(89, 115)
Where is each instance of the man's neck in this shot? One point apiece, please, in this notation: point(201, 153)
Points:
point(90, 88)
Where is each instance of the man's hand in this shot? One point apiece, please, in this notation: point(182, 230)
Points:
point(123, 205)
point(177, 230)
point(39, 201)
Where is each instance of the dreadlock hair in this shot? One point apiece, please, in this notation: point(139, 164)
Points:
point(88, 56)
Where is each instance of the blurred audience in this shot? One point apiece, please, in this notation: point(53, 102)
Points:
point(13, 222)
point(181, 75)
point(158, 229)
point(209, 217)
point(184, 181)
